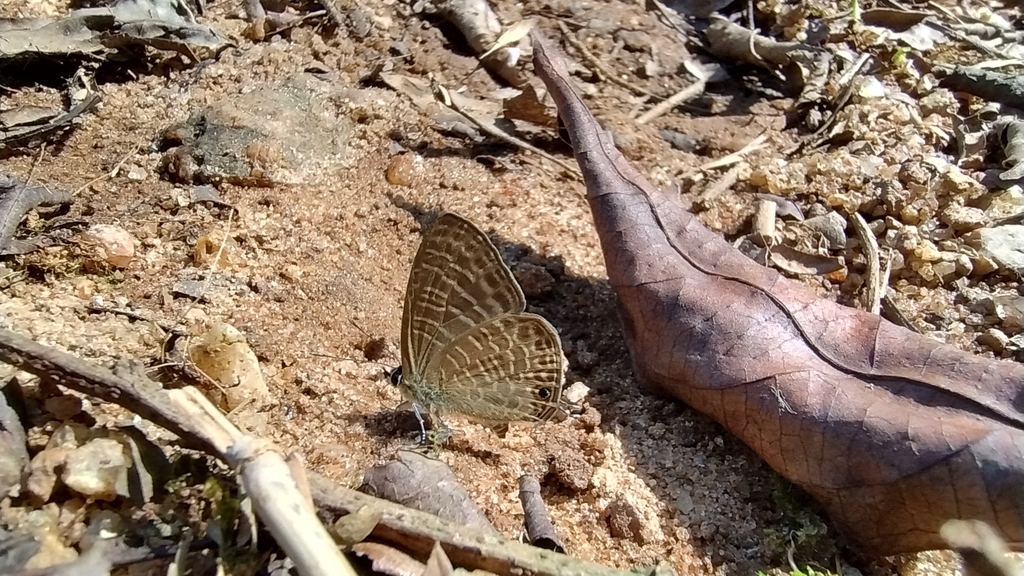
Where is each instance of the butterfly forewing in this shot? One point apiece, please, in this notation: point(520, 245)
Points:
point(458, 280)
point(504, 369)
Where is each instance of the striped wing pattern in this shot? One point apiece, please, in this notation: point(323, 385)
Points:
point(507, 368)
point(458, 280)
point(467, 345)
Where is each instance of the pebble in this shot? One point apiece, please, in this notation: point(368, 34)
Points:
point(224, 355)
point(42, 473)
point(571, 470)
point(684, 502)
point(627, 521)
point(957, 184)
point(963, 218)
point(994, 339)
point(831, 226)
point(403, 169)
point(98, 469)
point(110, 244)
point(1003, 244)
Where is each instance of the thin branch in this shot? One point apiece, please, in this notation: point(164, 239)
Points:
point(441, 95)
point(599, 68)
point(873, 278)
point(264, 474)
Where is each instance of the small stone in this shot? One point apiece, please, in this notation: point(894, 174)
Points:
point(974, 319)
point(576, 393)
point(43, 524)
point(1003, 244)
point(110, 244)
point(994, 339)
point(870, 88)
point(70, 436)
point(99, 469)
point(627, 521)
point(927, 252)
point(590, 419)
point(831, 226)
point(956, 184)
point(944, 270)
point(291, 273)
point(85, 288)
point(963, 218)
point(634, 40)
point(403, 169)
point(535, 280)
point(571, 470)
point(983, 265)
point(684, 502)
point(224, 355)
point(963, 265)
point(42, 473)
point(63, 407)
point(136, 172)
point(216, 245)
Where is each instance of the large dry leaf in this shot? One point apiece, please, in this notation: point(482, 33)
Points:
point(892, 432)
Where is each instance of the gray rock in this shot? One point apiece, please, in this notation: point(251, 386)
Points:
point(1003, 244)
point(275, 133)
point(99, 469)
point(684, 502)
point(994, 339)
point(13, 448)
point(831, 226)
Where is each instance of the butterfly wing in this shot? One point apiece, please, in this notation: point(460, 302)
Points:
point(458, 280)
point(508, 368)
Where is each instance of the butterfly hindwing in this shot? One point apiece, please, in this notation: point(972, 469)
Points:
point(507, 368)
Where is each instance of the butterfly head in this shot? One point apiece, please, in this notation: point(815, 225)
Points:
point(394, 375)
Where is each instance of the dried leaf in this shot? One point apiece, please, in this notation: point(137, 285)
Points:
point(388, 560)
point(438, 564)
point(798, 263)
point(511, 36)
point(893, 432)
point(353, 528)
point(425, 484)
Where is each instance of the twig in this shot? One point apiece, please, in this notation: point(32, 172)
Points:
point(167, 329)
point(39, 159)
point(874, 290)
point(187, 413)
point(277, 499)
point(737, 156)
point(683, 29)
point(538, 527)
point(687, 94)
point(418, 531)
point(722, 184)
point(442, 96)
point(600, 69)
point(335, 14)
point(111, 174)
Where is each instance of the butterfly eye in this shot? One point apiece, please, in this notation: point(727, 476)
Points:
point(544, 393)
point(394, 375)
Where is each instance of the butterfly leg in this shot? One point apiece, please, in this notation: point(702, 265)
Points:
point(419, 419)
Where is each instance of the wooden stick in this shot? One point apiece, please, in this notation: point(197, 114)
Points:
point(418, 531)
point(187, 413)
point(874, 289)
point(538, 526)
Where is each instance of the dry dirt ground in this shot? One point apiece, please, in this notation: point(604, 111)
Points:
point(319, 266)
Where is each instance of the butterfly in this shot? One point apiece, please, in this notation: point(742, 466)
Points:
point(468, 346)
